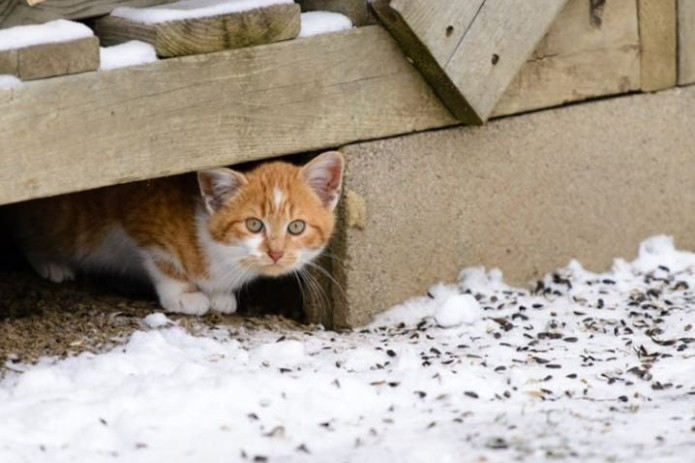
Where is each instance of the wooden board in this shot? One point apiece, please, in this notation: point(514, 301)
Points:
point(357, 10)
point(19, 12)
point(588, 52)
point(468, 51)
point(657, 24)
point(204, 35)
point(182, 114)
point(686, 42)
point(51, 59)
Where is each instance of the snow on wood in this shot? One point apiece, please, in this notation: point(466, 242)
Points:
point(187, 31)
point(127, 54)
point(51, 32)
point(191, 9)
point(322, 22)
point(590, 367)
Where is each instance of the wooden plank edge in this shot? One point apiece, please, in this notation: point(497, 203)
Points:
point(686, 42)
point(55, 161)
point(658, 38)
point(51, 59)
point(423, 60)
point(192, 36)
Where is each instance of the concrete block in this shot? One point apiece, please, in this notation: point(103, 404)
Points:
point(524, 194)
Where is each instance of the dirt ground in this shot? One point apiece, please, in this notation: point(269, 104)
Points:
point(39, 318)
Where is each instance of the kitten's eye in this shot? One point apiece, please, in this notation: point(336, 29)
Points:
point(296, 227)
point(254, 225)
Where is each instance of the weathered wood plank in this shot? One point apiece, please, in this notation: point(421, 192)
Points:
point(357, 10)
point(658, 35)
point(51, 59)
point(686, 42)
point(468, 51)
point(204, 35)
point(589, 51)
point(199, 111)
point(19, 12)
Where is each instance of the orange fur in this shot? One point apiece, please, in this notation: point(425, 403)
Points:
point(192, 240)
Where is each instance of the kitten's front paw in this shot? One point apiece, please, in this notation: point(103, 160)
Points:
point(57, 273)
point(222, 302)
point(188, 303)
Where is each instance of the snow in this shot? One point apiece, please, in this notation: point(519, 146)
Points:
point(130, 53)
point(190, 9)
point(9, 81)
point(457, 309)
point(56, 31)
point(157, 320)
point(322, 22)
point(583, 367)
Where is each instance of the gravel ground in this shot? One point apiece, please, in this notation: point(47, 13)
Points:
point(39, 318)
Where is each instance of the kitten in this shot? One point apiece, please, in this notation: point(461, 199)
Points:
point(196, 242)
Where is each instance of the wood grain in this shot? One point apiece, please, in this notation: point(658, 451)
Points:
point(686, 42)
point(587, 53)
point(18, 12)
point(658, 35)
point(51, 59)
point(205, 35)
point(182, 114)
point(496, 46)
point(468, 51)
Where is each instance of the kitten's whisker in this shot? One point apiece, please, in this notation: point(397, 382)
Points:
point(329, 276)
point(315, 289)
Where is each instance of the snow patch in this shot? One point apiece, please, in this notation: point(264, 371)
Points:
point(323, 22)
point(191, 9)
point(9, 81)
point(56, 31)
point(126, 54)
point(456, 310)
point(157, 320)
point(583, 366)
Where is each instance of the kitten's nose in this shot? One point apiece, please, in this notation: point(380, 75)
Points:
point(276, 255)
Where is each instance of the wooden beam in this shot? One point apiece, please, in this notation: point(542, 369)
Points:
point(205, 35)
point(589, 51)
point(468, 51)
point(657, 23)
point(51, 59)
point(686, 42)
point(182, 114)
point(18, 12)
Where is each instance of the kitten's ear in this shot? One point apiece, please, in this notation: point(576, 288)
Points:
point(324, 174)
point(218, 185)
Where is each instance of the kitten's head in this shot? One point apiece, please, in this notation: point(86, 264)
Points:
point(277, 217)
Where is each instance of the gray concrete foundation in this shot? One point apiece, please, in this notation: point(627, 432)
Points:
point(524, 194)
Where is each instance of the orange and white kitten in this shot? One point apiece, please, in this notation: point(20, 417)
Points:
point(196, 242)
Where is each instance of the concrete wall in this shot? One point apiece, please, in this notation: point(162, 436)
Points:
point(524, 194)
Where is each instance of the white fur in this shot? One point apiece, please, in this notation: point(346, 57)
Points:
point(117, 253)
point(225, 272)
point(175, 295)
point(278, 197)
point(57, 273)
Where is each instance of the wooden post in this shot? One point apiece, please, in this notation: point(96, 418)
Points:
point(469, 51)
point(686, 42)
point(657, 23)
